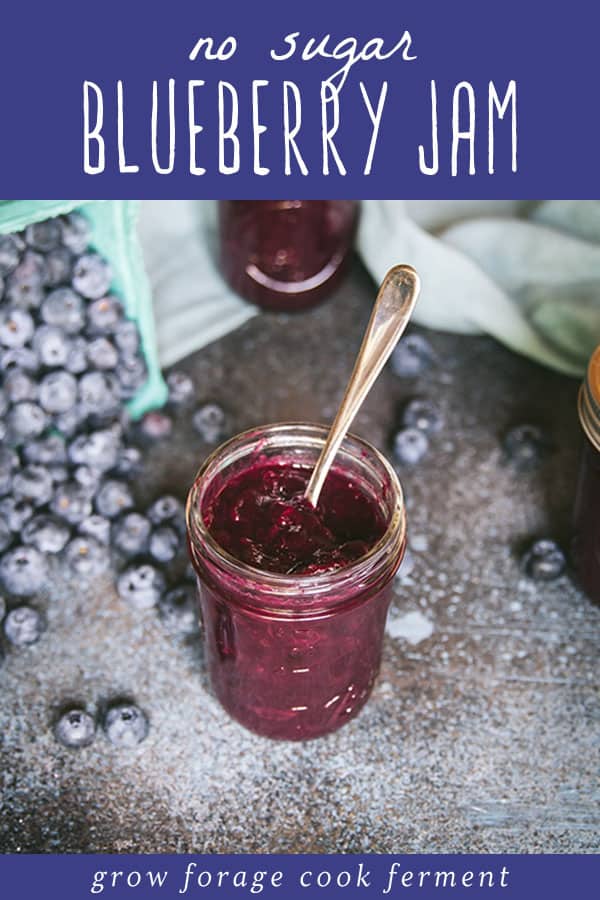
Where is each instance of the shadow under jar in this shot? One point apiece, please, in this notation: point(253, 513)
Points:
point(285, 255)
point(586, 543)
point(294, 656)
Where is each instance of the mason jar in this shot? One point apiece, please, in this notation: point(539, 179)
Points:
point(294, 656)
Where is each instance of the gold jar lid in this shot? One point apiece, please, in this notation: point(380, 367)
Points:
point(589, 400)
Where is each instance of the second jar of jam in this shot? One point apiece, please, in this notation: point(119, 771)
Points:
point(586, 546)
point(285, 255)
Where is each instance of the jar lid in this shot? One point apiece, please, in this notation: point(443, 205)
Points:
point(589, 400)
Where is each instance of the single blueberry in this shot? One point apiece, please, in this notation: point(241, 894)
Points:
point(46, 451)
point(26, 420)
point(15, 513)
point(91, 276)
point(23, 625)
point(177, 610)
point(544, 560)
point(141, 586)
point(129, 462)
point(46, 533)
point(409, 446)
point(25, 284)
point(88, 478)
point(126, 725)
point(75, 232)
point(86, 557)
point(23, 358)
point(167, 510)
point(102, 354)
point(211, 422)
point(59, 266)
point(64, 309)
point(52, 346)
point(58, 392)
point(44, 236)
point(424, 415)
point(113, 499)
point(99, 394)
point(71, 502)
point(525, 446)
point(77, 357)
point(99, 449)
point(75, 728)
point(130, 534)
point(33, 484)
point(19, 386)
point(104, 315)
point(16, 327)
point(11, 247)
point(164, 544)
point(23, 571)
point(132, 373)
point(412, 356)
point(155, 426)
point(127, 337)
point(181, 388)
point(96, 527)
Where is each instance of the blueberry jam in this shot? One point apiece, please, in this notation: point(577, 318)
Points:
point(260, 517)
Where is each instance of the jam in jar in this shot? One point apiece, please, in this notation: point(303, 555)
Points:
point(586, 544)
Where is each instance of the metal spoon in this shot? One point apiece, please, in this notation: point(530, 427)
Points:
point(392, 310)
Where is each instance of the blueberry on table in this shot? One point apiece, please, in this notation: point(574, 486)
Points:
point(141, 586)
point(131, 533)
point(525, 446)
point(126, 725)
point(44, 236)
point(412, 356)
point(64, 309)
point(11, 247)
point(75, 232)
point(167, 509)
point(181, 388)
point(91, 276)
point(113, 498)
point(75, 728)
point(155, 426)
point(544, 560)
point(71, 502)
point(164, 544)
point(23, 571)
point(211, 422)
point(52, 346)
point(26, 420)
point(86, 557)
point(46, 533)
point(23, 625)
point(424, 415)
point(33, 484)
point(97, 527)
point(409, 446)
point(177, 610)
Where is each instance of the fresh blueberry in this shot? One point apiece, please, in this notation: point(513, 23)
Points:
point(130, 534)
point(51, 345)
point(544, 560)
point(99, 449)
point(96, 527)
point(19, 386)
point(88, 478)
point(23, 571)
point(75, 728)
point(155, 426)
point(99, 395)
point(424, 415)
point(86, 557)
point(6, 537)
point(129, 462)
point(211, 422)
point(409, 446)
point(141, 586)
point(23, 358)
point(25, 284)
point(412, 356)
point(9, 461)
point(11, 247)
point(64, 309)
point(15, 513)
point(16, 327)
point(91, 276)
point(71, 502)
point(46, 451)
point(177, 610)
point(77, 357)
point(181, 388)
point(127, 338)
point(43, 236)
point(167, 510)
point(33, 484)
point(75, 232)
point(23, 625)
point(59, 266)
point(164, 544)
point(46, 533)
point(104, 315)
point(102, 354)
point(525, 446)
point(132, 374)
point(126, 725)
point(58, 392)
point(113, 499)
point(26, 420)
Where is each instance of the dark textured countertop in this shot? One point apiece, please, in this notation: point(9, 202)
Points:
point(482, 733)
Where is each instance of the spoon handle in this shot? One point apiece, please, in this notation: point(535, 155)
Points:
point(392, 310)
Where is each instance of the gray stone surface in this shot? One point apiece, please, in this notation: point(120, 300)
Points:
point(482, 733)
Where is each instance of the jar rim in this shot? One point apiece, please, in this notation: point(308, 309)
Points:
point(287, 585)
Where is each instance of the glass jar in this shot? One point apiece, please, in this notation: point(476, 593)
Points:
point(285, 255)
point(586, 545)
point(294, 656)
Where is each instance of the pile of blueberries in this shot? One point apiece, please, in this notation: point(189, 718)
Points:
point(69, 362)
